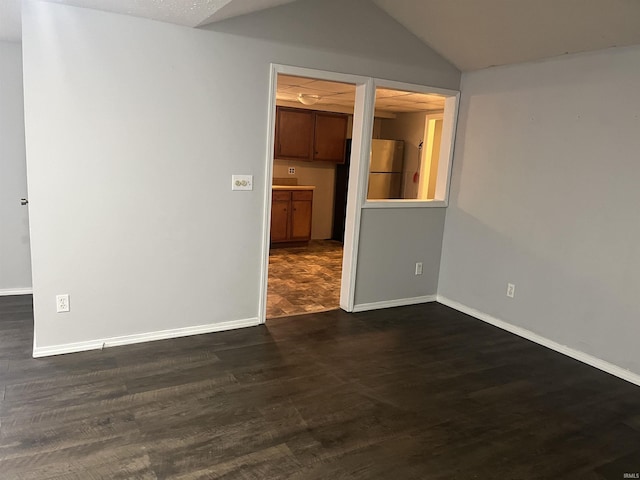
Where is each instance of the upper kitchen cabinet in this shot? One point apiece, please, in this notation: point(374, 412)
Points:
point(329, 137)
point(310, 135)
point(294, 133)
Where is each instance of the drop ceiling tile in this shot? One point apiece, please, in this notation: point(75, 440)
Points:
point(349, 96)
point(312, 91)
point(386, 92)
point(290, 80)
point(292, 97)
point(332, 87)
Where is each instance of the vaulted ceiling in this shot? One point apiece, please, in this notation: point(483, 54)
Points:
point(474, 34)
point(471, 34)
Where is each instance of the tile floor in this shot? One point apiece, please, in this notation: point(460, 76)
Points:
point(304, 279)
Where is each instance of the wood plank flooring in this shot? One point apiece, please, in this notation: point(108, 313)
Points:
point(304, 279)
point(420, 392)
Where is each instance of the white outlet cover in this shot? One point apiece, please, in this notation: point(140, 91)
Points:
point(62, 303)
point(511, 290)
point(241, 182)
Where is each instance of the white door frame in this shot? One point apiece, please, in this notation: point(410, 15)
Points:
point(361, 145)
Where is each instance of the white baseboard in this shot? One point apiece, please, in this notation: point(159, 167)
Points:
point(141, 337)
point(15, 291)
point(363, 307)
point(598, 363)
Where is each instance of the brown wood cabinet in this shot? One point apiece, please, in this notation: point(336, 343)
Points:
point(310, 135)
point(294, 129)
point(330, 135)
point(291, 215)
point(280, 221)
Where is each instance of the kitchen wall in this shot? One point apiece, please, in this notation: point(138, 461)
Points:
point(323, 176)
point(15, 258)
point(410, 128)
point(545, 195)
point(134, 128)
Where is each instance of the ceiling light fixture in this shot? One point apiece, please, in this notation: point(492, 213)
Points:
point(307, 99)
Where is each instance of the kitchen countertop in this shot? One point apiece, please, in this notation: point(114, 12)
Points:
point(293, 187)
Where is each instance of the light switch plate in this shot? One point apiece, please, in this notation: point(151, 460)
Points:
point(241, 182)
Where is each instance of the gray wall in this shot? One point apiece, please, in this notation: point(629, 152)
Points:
point(545, 194)
point(134, 128)
point(391, 243)
point(15, 260)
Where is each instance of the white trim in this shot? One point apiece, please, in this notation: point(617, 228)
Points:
point(352, 229)
point(450, 120)
point(356, 191)
point(15, 291)
point(268, 180)
point(595, 362)
point(449, 128)
point(412, 87)
point(142, 337)
point(322, 74)
point(404, 203)
point(401, 302)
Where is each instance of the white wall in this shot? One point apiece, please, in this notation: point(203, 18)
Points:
point(133, 130)
point(15, 259)
point(545, 194)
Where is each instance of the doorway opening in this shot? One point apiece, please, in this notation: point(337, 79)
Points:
point(311, 160)
point(311, 114)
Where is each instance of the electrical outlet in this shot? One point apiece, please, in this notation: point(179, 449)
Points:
point(62, 303)
point(511, 290)
point(241, 182)
point(418, 268)
point(292, 170)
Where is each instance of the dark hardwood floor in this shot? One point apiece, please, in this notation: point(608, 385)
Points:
point(419, 392)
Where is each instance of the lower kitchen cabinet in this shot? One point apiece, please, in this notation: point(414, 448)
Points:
point(291, 215)
point(280, 212)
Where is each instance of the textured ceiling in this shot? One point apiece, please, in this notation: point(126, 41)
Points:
point(236, 8)
point(474, 34)
point(190, 13)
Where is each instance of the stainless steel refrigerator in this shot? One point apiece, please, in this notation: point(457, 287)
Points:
point(385, 171)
